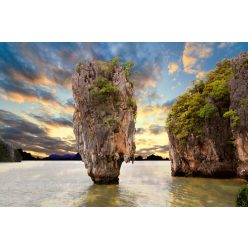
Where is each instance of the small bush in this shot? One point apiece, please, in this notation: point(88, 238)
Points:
point(115, 60)
point(131, 102)
point(207, 111)
point(127, 68)
point(232, 114)
point(244, 102)
point(78, 66)
point(109, 121)
point(242, 198)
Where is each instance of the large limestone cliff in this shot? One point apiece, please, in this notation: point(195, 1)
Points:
point(239, 103)
point(207, 126)
point(8, 153)
point(104, 117)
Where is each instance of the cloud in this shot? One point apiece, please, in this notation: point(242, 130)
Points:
point(157, 72)
point(140, 130)
point(54, 121)
point(70, 103)
point(201, 74)
point(156, 129)
point(40, 73)
point(193, 54)
point(39, 63)
point(172, 68)
point(161, 150)
point(226, 44)
point(30, 136)
point(143, 82)
point(169, 102)
point(20, 92)
point(151, 110)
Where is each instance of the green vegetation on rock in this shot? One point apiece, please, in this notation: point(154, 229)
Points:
point(232, 114)
point(131, 102)
point(207, 111)
point(108, 121)
point(78, 66)
point(242, 198)
point(193, 109)
point(103, 92)
point(244, 102)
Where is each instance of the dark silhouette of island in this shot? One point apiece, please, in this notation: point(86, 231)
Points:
point(29, 156)
point(150, 158)
point(63, 157)
point(76, 156)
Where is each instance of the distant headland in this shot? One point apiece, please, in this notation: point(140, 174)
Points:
point(76, 156)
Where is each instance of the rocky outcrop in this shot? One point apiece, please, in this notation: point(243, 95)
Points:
point(208, 125)
point(104, 117)
point(8, 153)
point(239, 103)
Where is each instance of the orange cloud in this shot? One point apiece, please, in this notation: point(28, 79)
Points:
point(150, 110)
point(150, 82)
point(40, 80)
point(192, 53)
point(172, 68)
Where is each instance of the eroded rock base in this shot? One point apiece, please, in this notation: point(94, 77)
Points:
point(105, 171)
point(105, 180)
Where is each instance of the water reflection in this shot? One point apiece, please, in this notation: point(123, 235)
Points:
point(106, 196)
point(143, 183)
point(203, 192)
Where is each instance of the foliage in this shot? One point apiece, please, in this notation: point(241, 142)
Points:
point(127, 68)
point(78, 65)
point(194, 108)
point(104, 93)
point(126, 65)
point(131, 103)
point(109, 121)
point(115, 60)
point(242, 198)
point(102, 87)
point(232, 114)
point(244, 102)
point(207, 111)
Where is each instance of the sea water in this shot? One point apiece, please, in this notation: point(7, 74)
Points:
point(144, 183)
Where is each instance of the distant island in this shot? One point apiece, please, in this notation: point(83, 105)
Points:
point(29, 156)
point(151, 157)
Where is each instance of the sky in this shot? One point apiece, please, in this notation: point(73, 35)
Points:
point(36, 103)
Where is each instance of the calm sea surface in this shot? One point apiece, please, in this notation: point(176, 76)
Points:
point(66, 183)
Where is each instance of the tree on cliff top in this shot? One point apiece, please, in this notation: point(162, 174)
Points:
point(195, 107)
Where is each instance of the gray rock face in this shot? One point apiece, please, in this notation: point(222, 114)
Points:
point(239, 103)
point(205, 157)
point(104, 118)
point(8, 153)
point(222, 148)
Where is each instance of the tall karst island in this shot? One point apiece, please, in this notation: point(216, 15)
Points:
point(104, 117)
point(208, 125)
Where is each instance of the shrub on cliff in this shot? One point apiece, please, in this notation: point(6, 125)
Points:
point(199, 104)
point(242, 198)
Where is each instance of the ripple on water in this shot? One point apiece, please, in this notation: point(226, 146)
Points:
point(144, 183)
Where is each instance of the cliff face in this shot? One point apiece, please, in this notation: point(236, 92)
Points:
point(239, 103)
point(207, 126)
point(104, 117)
point(8, 153)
